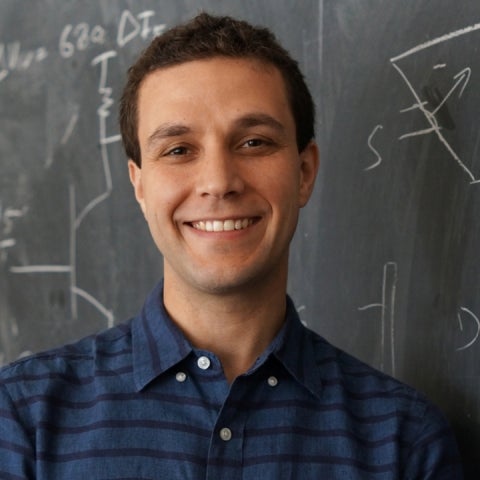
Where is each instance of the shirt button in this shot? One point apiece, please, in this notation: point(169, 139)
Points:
point(203, 363)
point(180, 377)
point(272, 381)
point(225, 434)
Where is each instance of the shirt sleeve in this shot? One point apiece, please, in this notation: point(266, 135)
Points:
point(17, 456)
point(434, 454)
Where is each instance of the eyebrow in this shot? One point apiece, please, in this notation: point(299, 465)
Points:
point(169, 130)
point(258, 120)
point(166, 130)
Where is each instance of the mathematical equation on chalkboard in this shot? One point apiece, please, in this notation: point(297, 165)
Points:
point(73, 39)
point(431, 103)
point(79, 37)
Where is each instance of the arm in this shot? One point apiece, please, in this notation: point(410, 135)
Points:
point(434, 454)
point(17, 455)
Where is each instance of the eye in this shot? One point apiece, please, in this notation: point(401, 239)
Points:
point(177, 151)
point(258, 144)
point(254, 142)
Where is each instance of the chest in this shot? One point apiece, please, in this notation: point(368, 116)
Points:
point(264, 427)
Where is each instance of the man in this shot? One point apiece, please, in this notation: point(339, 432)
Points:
point(216, 378)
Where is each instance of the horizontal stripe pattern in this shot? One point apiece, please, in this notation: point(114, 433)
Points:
point(112, 407)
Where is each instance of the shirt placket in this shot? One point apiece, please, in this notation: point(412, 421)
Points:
point(226, 450)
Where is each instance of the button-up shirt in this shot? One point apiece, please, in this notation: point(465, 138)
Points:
point(140, 402)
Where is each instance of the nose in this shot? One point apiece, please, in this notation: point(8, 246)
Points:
point(219, 175)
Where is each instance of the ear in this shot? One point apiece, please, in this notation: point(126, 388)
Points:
point(135, 174)
point(309, 162)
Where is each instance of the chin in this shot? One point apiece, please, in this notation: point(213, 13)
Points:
point(219, 286)
point(220, 283)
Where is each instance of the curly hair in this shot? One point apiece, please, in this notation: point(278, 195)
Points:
point(207, 36)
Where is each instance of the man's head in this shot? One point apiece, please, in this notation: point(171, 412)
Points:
point(215, 160)
point(206, 37)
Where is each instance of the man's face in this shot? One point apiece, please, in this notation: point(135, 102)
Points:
point(221, 181)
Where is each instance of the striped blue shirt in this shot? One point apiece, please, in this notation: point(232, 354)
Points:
point(139, 402)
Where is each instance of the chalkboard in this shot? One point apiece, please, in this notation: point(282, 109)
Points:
point(384, 263)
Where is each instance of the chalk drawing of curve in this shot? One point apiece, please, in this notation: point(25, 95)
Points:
point(475, 319)
point(76, 219)
point(461, 80)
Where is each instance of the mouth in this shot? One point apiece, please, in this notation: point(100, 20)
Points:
point(228, 225)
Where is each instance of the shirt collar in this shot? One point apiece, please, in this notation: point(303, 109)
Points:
point(158, 345)
point(295, 349)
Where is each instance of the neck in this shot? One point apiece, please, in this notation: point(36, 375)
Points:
point(236, 326)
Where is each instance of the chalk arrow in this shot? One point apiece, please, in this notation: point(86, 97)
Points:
point(463, 76)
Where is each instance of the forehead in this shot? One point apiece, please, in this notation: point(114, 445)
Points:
point(216, 66)
point(218, 85)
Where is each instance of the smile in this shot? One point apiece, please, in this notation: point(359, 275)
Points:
point(222, 225)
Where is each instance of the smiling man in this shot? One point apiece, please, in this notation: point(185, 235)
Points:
point(220, 183)
point(217, 378)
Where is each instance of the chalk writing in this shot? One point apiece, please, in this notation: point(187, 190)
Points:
point(131, 26)
point(79, 38)
point(372, 148)
point(13, 57)
point(70, 127)
point(73, 39)
point(7, 217)
point(476, 321)
point(387, 306)
point(70, 269)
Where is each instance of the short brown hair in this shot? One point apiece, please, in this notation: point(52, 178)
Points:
point(207, 36)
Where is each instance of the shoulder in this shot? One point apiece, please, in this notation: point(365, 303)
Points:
point(360, 380)
point(387, 408)
point(373, 396)
point(72, 363)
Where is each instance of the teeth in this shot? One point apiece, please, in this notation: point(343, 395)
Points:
point(222, 225)
point(228, 225)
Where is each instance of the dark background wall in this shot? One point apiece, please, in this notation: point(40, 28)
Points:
point(384, 263)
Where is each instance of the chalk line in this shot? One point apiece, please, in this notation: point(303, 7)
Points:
point(436, 41)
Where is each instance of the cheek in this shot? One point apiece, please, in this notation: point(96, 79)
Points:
point(163, 198)
point(165, 204)
point(282, 189)
point(287, 201)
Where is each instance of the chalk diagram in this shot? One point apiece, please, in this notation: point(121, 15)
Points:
point(476, 323)
point(387, 318)
point(76, 219)
point(431, 103)
point(72, 39)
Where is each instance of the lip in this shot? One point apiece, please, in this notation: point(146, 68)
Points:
point(220, 225)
